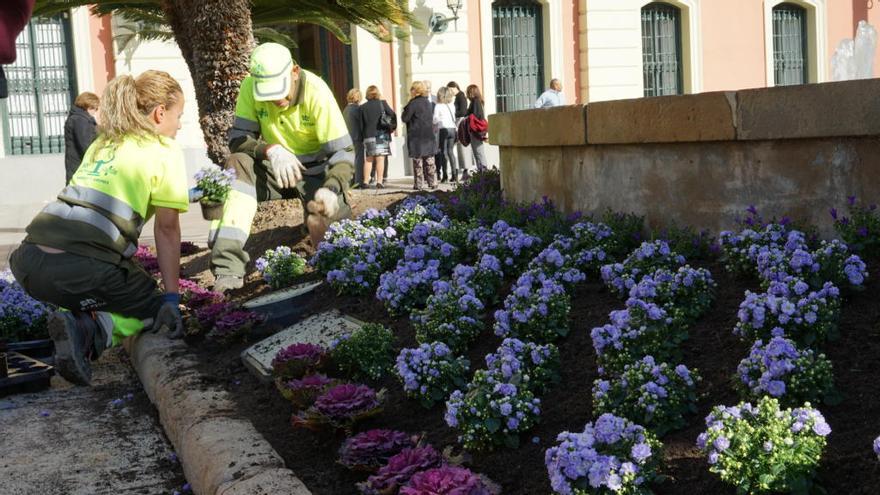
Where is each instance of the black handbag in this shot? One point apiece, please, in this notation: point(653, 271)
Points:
point(387, 121)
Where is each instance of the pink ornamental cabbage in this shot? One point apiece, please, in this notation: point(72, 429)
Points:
point(346, 401)
point(303, 393)
point(296, 360)
point(400, 469)
point(370, 450)
point(446, 480)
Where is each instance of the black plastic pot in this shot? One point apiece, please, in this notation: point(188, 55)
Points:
point(24, 374)
point(284, 306)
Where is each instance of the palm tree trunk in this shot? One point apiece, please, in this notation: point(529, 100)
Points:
point(216, 48)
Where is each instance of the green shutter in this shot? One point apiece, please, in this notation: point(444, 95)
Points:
point(661, 50)
point(789, 45)
point(41, 88)
point(517, 32)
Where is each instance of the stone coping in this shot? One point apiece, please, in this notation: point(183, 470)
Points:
point(835, 109)
point(220, 453)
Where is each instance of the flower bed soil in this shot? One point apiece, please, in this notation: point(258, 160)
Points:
point(848, 466)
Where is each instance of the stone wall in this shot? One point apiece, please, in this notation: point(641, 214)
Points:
point(700, 159)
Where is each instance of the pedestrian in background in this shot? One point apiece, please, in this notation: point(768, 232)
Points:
point(477, 117)
point(80, 129)
point(444, 116)
point(552, 97)
point(352, 114)
point(378, 121)
point(462, 151)
point(420, 143)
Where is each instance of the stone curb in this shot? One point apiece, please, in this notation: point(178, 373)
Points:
point(220, 454)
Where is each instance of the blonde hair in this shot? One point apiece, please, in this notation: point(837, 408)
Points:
point(444, 95)
point(373, 93)
point(353, 96)
point(87, 101)
point(128, 102)
point(419, 88)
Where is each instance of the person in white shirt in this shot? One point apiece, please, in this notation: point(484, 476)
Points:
point(552, 97)
point(444, 119)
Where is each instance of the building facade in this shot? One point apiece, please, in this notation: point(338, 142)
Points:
point(599, 49)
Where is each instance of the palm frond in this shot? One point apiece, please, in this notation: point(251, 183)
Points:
point(267, 34)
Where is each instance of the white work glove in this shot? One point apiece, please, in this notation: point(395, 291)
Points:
point(285, 166)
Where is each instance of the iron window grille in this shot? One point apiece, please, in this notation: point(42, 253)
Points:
point(661, 50)
point(517, 32)
point(41, 87)
point(790, 64)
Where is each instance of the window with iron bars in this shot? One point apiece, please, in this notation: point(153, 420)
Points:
point(790, 45)
point(41, 88)
point(661, 50)
point(517, 33)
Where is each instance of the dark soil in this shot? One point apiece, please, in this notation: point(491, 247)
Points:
point(848, 466)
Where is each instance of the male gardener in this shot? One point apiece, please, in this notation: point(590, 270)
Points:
point(288, 139)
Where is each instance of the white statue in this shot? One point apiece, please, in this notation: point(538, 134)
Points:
point(854, 59)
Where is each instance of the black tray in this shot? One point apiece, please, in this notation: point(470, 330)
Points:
point(24, 374)
point(42, 350)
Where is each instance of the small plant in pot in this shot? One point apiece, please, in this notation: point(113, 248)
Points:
point(215, 184)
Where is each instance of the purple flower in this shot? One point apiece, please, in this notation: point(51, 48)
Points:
point(851, 200)
point(295, 360)
point(877, 447)
point(346, 401)
point(833, 212)
point(447, 480)
point(400, 469)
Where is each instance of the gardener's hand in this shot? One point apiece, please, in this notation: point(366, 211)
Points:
point(322, 210)
point(285, 166)
point(195, 194)
point(169, 316)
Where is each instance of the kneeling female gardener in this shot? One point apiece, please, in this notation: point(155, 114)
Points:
point(77, 253)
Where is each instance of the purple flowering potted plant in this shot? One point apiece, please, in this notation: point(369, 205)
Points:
point(621, 277)
point(23, 320)
point(302, 392)
point(526, 364)
point(430, 372)
point(685, 294)
point(485, 277)
point(341, 407)
point(370, 450)
point(510, 245)
point(655, 395)
point(452, 315)
point(296, 360)
point(861, 228)
point(783, 371)
point(536, 309)
point(400, 468)
point(764, 449)
point(448, 480)
point(611, 455)
point(491, 413)
point(214, 183)
point(629, 337)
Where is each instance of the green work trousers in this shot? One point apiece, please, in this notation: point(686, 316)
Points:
point(82, 284)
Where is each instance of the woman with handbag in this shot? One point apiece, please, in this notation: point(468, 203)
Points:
point(378, 121)
point(478, 124)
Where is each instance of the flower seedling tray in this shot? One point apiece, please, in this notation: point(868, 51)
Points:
point(284, 306)
point(24, 374)
point(43, 349)
point(320, 329)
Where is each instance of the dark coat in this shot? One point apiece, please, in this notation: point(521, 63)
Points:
point(80, 130)
point(352, 115)
point(476, 108)
point(461, 105)
point(370, 113)
point(419, 120)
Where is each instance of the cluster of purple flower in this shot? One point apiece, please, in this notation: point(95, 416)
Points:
point(430, 371)
point(536, 309)
point(513, 247)
point(655, 395)
point(740, 250)
point(400, 468)
point(451, 316)
point(21, 316)
point(559, 261)
point(195, 297)
point(592, 243)
point(790, 309)
point(372, 217)
point(610, 455)
point(280, 266)
point(791, 443)
point(533, 366)
point(415, 210)
point(685, 294)
point(485, 277)
point(343, 240)
point(358, 273)
point(633, 333)
point(491, 412)
point(783, 371)
point(650, 256)
point(409, 285)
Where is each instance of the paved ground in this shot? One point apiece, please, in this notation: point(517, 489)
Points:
point(86, 441)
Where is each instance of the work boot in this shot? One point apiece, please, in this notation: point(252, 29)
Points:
point(225, 283)
point(74, 338)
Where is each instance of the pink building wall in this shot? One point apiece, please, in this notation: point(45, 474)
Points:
point(103, 66)
point(733, 39)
